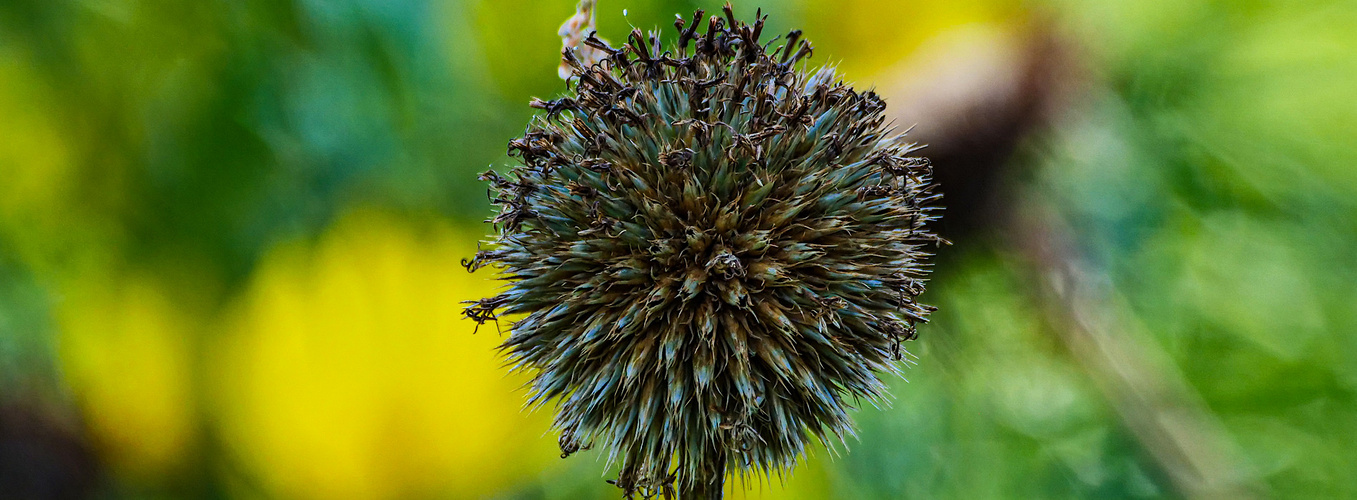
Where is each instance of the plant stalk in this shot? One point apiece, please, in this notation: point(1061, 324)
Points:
point(710, 482)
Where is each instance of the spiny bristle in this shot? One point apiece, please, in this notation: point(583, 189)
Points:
point(715, 255)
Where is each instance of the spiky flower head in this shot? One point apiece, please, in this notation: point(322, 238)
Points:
point(714, 253)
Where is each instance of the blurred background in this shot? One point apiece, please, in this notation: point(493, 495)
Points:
point(230, 234)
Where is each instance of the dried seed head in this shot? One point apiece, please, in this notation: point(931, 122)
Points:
point(714, 254)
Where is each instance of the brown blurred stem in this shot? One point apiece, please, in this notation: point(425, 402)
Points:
point(1140, 381)
point(973, 133)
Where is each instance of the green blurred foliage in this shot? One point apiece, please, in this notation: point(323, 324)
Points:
point(178, 184)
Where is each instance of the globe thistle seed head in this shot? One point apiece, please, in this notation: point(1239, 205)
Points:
point(714, 253)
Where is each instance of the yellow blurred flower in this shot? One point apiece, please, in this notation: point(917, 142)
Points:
point(125, 353)
point(349, 373)
point(878, 35)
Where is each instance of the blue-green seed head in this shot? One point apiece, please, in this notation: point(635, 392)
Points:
point(714, 254)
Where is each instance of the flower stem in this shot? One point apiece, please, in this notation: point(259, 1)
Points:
point(711, 479)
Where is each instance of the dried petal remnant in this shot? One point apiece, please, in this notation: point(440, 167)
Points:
point(714, 253)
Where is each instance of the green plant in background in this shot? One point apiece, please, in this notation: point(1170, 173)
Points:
point(716, 253)
point(188, 248)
